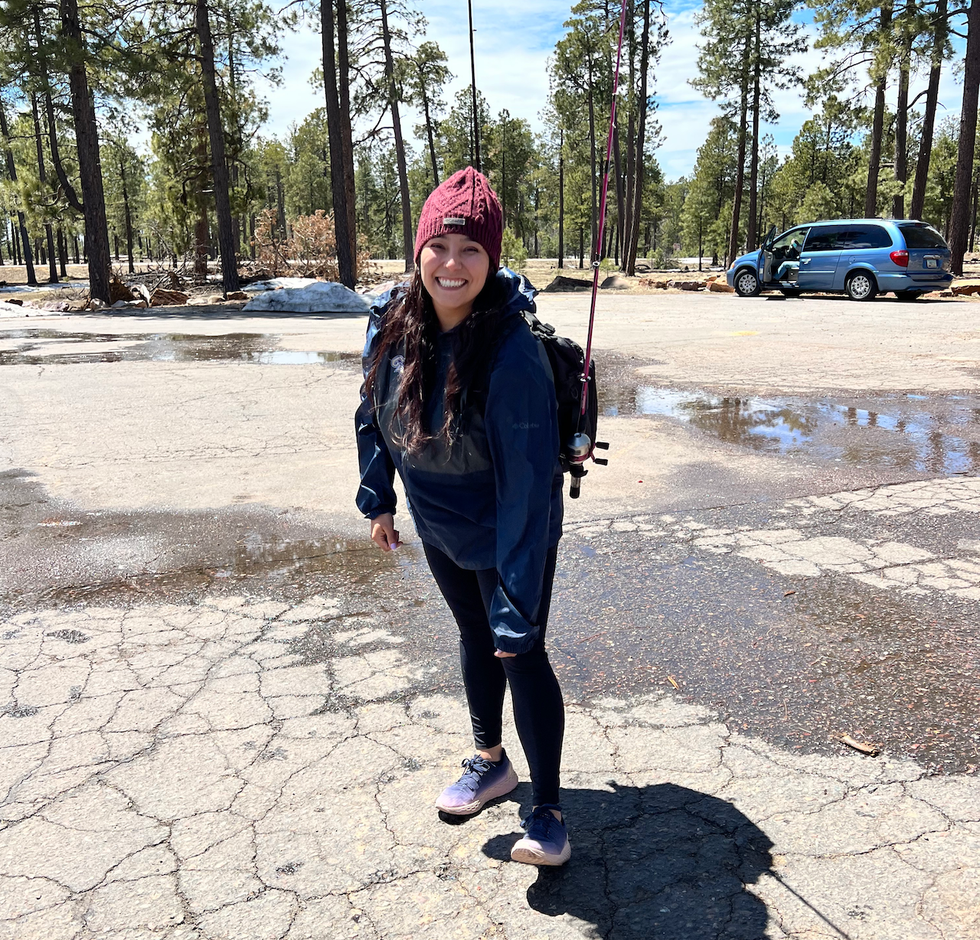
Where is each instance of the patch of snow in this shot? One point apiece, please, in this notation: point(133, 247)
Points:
point(25, 289)
point(18, 312)
point(315, 297)
point(256, 287)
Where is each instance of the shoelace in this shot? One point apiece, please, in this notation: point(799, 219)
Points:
point(542, 818)
point(475, 768)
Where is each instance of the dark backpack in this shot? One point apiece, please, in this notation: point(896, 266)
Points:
point(576, 431)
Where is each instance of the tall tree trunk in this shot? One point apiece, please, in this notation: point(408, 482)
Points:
point(929, 113)
point(344, 231)
point(89, 160)
point(596, 248)
point(636, 210)
point(561, 199)
point(620, 195)
point(127, 216)
point(201, 224)
point(877, 128)
point(973, 211)
point(219, 164)
point(429, 131)
point(42, 177)
point(25, 239)
point(503, 176)
point(280, 205)
point(537, 206)
point(396, 124)
point(476, 111)
point(629, 176)
point(343, 71)
point(62, 252)
point(960, 221)
point(42, 66)
point(902, 120)
point(233, 171)
point(201, 243)
point(743, 134)
point(874, 157)
point(751, 234)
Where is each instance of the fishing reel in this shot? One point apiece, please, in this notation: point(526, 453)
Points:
point(579, 449)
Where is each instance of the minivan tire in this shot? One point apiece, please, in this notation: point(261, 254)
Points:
point(860, 285)
point(747, 283)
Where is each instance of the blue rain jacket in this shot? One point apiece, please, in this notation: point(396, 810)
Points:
point(493, 499)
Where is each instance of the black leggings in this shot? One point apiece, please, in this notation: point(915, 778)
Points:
point(539, 711)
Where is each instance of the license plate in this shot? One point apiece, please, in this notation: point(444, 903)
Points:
point(932, 262)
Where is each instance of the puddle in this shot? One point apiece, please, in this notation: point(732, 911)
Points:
point(924, 433)
point(52, 347)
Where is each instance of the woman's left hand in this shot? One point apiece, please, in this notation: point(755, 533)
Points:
point(500, 654)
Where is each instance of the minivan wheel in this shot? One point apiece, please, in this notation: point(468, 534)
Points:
point(860, 286)
point(747, 283)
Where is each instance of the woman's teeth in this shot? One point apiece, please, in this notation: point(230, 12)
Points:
point(446, 282)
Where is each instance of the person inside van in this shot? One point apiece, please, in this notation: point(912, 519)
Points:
point(789, 270)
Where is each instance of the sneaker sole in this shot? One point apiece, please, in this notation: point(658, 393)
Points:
point(537, 856)
point(468, 809)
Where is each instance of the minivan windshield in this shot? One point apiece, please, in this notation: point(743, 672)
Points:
point(920, 235)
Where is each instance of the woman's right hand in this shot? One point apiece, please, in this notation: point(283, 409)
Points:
point(383, 532)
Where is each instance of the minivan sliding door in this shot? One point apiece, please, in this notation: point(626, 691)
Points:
point(818, 263)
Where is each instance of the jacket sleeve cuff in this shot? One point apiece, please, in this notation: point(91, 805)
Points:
point(511, 632)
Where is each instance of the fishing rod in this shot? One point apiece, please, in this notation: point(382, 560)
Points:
point(582, 447)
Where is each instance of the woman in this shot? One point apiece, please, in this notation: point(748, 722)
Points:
point(458, 398)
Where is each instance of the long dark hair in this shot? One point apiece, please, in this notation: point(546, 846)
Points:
point(412, 319)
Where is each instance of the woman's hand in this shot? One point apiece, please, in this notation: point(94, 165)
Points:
point(383, 532)
point(500, 654)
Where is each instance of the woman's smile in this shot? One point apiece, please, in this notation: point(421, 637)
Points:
point(454, 269)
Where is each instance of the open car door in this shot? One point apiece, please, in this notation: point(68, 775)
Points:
point(765, 257)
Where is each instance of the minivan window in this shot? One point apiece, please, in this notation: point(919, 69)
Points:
point(822, 240)
point(922, 236)
point(864, 236)
point(786, 239)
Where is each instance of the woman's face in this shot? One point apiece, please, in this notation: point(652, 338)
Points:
point(454, 270)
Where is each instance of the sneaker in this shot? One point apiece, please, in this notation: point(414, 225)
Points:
point(481, 782)
point(545, 839)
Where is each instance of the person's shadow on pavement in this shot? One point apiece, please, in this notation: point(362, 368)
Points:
point(660, 862)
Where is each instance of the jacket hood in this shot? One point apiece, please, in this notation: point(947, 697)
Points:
point(518, 292)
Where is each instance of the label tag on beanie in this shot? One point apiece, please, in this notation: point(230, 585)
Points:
point(453, 220)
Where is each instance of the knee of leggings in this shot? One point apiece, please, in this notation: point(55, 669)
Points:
point(534, 661)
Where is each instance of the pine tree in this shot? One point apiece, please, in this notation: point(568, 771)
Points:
point(425, 75)
point(744, 57)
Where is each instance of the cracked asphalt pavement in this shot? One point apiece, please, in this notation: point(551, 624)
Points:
point(223, 714)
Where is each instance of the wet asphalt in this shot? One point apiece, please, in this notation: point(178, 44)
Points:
point(798, 661)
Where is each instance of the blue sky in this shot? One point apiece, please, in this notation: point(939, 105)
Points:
point(514, 39)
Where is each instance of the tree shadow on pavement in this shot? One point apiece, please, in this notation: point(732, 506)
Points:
point(659, 861)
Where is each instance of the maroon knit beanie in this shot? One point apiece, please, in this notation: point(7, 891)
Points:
point(464, 204)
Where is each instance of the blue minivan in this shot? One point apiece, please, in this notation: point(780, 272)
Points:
point(857, 257)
